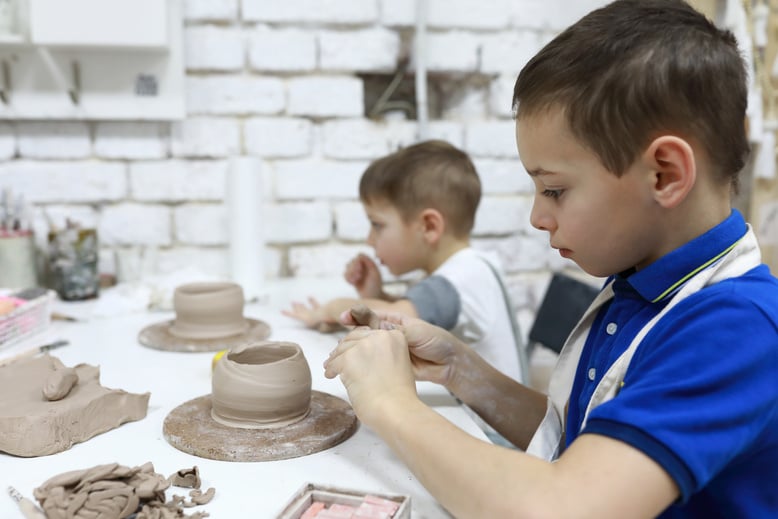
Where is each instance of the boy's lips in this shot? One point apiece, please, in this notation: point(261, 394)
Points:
point(565, 253)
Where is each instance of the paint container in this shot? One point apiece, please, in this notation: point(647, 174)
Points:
point(329, 495)
point(72, 263)
point(17, 261)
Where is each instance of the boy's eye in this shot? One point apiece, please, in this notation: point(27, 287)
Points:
point(376, 225)
point(552, 193)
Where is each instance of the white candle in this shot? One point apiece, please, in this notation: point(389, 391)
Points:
point(244, 197)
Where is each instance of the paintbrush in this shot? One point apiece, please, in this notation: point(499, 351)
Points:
point(27, 507)
point(34, 351)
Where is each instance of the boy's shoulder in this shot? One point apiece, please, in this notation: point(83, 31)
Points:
point(745, 305)
point(757, 286)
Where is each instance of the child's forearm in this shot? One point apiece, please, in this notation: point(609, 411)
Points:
point(514, 410)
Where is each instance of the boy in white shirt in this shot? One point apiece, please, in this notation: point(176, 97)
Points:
point(421, 202)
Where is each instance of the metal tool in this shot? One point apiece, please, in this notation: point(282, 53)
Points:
point(27, 507)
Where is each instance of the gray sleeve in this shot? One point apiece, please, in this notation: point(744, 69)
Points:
point(436, 301)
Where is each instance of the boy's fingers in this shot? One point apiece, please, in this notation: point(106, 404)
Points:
point(364, 316)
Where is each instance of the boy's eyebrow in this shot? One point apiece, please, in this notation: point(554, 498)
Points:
point(539, 172)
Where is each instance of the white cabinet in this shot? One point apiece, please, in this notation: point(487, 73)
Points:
point(91, 59)
point(123, 24)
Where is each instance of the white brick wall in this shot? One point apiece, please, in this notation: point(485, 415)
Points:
point(309, 179)
point(283, 81)
point(298, 222)
point(127, 224)
point(7, 141)
point(452, 51)
point(299, 49)
point(200, 224)
point(311, 11)
point(235, 95)
point(71, 181)
point(213, 10)
point(279, 137)
point(205, 137)
point(131, 140)
point(363, 50)
point(351, 223)
point(62, 140)
point(325, 96)
point(177, 180)
point(213, 48)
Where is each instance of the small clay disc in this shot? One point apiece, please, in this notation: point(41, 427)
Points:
point(158, 336)
point(190, 428)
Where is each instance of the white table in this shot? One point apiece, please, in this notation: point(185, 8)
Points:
point(257, 489)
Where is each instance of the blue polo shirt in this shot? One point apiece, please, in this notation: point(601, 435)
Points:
point(700, 396)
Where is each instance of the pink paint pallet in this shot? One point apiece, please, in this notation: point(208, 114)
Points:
point(309, 494)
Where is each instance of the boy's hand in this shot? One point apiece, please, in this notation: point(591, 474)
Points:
point(434, 352)
point(375, 368)
point(363, 274)
point(313, 315)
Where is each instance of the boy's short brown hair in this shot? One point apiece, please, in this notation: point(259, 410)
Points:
point(431, 174)
point(635, 69)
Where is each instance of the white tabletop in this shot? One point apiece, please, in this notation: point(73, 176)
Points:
point(257, 489)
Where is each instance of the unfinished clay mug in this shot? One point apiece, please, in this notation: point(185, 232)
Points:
point(208, 310)
point(261, 385)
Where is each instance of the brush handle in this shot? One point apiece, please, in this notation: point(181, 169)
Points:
point(29, 509)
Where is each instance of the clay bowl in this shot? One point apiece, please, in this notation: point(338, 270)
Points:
point(261, 385)
point(208, 310)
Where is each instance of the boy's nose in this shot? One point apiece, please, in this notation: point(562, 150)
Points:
point(539, 217)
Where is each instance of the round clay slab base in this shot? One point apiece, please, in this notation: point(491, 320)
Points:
point(158, 336)
point(190, 428)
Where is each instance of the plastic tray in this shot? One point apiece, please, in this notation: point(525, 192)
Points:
point(29, 318)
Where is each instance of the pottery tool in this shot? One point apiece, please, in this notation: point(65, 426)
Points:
point(34, 351)
point(27, 507)
point(56, 316)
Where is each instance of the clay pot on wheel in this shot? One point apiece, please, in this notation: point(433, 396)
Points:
point(208, 310)
point(261, 385)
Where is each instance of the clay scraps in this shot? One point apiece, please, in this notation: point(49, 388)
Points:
point(113, 491)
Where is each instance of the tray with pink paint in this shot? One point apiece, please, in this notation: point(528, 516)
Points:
point(325, 502)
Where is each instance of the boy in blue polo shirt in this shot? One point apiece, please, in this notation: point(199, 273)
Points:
point(665, 398)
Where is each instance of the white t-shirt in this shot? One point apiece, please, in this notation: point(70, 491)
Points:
point(464, 296)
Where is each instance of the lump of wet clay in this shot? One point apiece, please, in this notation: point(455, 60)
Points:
point(59, 383)
point(31, 425)
point(364, 316)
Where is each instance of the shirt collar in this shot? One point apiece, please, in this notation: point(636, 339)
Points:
point(665, 276)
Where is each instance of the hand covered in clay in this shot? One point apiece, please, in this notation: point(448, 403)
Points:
point(435, 353)
point(375, 368)
point(363, 274)
point(313, 315)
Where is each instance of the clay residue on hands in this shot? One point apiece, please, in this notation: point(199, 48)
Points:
point(114, 491)
point(59, 383)
point(364, 316)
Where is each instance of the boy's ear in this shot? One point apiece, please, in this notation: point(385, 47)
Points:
point(433, 224)
point(670, 160)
